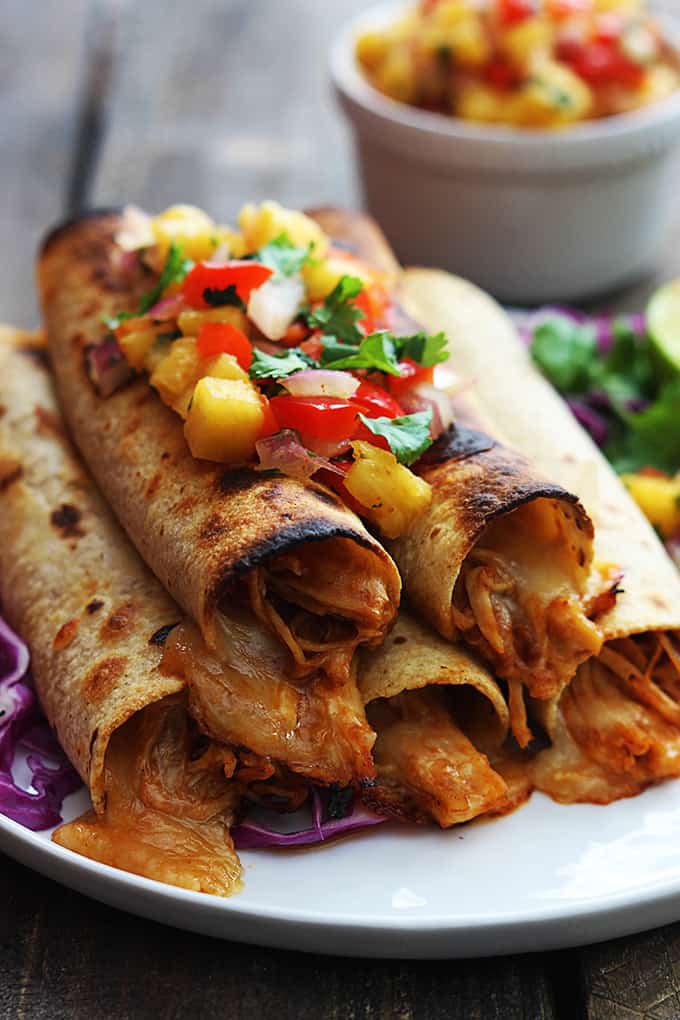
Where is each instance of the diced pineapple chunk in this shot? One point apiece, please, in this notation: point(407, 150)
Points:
point(187, 226)
point(323, 275)
point(468, 42)
point(178, 370)
point(483, 103)
point(159, 349)
point(554, 95)
point(224, 420)
point(527, 41)
point(190, 321)
point(658, 498)
point(264, 223)
point(225, 366)
point(372, 48)
point(135, 344)
point(392, 495)
point(396, 76)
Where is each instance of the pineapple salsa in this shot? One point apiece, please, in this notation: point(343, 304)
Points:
point(276, 349)
point(531, 63)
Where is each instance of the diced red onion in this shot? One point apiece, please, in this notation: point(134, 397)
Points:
point(274, 306)
point(425, 396)
point(106, 366)
point(167, 308)
point(135, 231)
point(326, 382)
point(285, 453)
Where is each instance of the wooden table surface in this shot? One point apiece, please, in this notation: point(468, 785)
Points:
point(218, 102)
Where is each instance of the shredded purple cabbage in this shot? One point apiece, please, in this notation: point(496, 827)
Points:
point(590, 419)
point(528, 323)
point(249, 835)
point(23, 727)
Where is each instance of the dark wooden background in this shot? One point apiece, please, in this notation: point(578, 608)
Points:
point(217, 102)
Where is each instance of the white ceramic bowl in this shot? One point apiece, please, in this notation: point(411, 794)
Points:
point(531, 216)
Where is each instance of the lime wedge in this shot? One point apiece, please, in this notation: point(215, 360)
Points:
point(663, 326)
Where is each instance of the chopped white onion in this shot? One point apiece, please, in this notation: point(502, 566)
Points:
point(321, 382)
point(135, 230)
point(274, 306)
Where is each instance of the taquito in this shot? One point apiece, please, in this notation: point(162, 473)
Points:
point(94, 618)
point(269, 565)
point(439, 716)
point(502, 556)
point(616, 728)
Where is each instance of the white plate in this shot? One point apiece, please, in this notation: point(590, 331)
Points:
point(545, 877)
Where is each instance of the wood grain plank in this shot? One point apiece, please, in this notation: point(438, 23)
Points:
point(40, 61)
point(229, 103)
point(637, 978)
point(64, 955)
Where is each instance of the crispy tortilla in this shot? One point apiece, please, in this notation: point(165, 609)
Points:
point(617, 727)
point(95, 618)
point(501, 558)
point(290, 554)
point(438, 714)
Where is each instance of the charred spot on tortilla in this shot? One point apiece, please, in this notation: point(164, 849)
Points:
point(239, 480)
point(66, 634)
point(152, 487)
point(11, 471)
point(457, 443)
point(93, 606)
point(118, 622)
point(66, 227)
point(161, 635)
point(66, 519)
point(103, 677)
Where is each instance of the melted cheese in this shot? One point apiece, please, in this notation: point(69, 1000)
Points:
point(167, 816)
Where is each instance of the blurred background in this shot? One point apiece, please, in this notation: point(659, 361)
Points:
point(208, 101)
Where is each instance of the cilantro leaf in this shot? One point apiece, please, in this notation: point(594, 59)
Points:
point(175, 269)
point(652, 437)
point(217, 297)
point(276, 366)
point(338, 315)
point(282, 256)
point(408, 437)
point(376, 352)
point(424, 350)
point(627, 372)
point(565, 353)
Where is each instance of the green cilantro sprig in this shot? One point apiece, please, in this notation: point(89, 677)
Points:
point(174, 270)
point(283, 256)
point(338, 315)
point(278, 366)
point(408, 437)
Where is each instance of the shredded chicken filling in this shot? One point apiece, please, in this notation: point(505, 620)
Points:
point(427, 767)
point(170, 799)
point(618, 724)
point(519, 601)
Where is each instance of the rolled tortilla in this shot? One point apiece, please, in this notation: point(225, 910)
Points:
point(501, 559)
point(617, 727)
point(94, 618)
point(439, 715)
point(235, 549)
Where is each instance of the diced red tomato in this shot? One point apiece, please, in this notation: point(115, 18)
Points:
point(500, 75)
point(295, 334)
point(270, 425)
point(324, 417)
point(363, 432)
point(223, 338)
point(374, 302)
point(375, 402)
point(601, 64)
point(411, 374)
point(513, 11)
point(313, 346)
point(244, 276)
